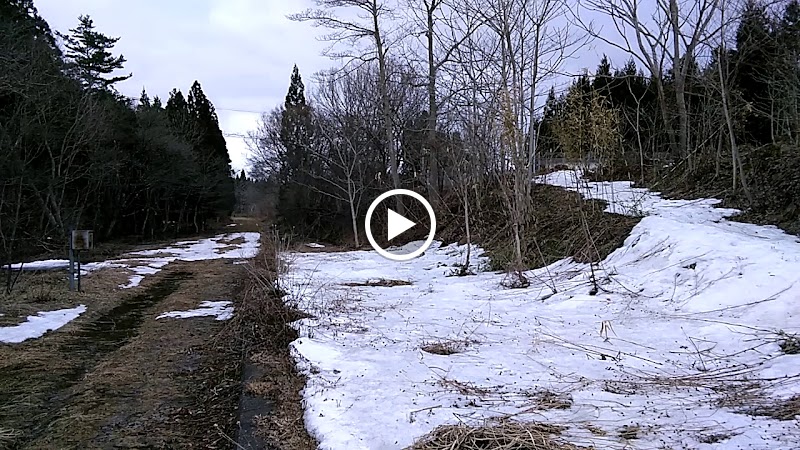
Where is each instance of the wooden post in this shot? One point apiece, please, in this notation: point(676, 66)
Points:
point(71, 263)
point(78, 257)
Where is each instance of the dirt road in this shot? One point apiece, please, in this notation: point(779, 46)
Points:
point(118, 377)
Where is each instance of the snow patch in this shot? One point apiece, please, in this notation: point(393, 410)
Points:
point(314, 245)
point(146, 262)
point(36, 326)
point(687, 317)
point(221, 309)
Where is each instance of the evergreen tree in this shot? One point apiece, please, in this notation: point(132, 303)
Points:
point(755, 62)
point(211, 153)
point(23, 17)
point(89, 53)
point(295, 200)
point(178, 114)
point(144, 101)
point(205, 117)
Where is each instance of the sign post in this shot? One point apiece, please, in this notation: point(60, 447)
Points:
point(79, 240)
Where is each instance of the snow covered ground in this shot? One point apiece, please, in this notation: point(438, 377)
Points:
point(681, 344)
point(143, 263)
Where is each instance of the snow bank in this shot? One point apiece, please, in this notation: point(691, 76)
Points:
point(221, 309)
point(36, 326)
point(685, 322)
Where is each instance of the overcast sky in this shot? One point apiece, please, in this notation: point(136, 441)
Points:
point(241, 51)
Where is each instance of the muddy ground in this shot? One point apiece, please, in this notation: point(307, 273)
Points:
point(116, 377)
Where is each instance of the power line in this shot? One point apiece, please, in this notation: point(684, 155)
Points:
point(136, 99)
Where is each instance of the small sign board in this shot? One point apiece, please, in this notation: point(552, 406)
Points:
point(82, 239)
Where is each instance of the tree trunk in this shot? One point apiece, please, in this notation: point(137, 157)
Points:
point(737, 163)
point(433, 113)
point(351, 199)
point(466, 226)
point(386, 111)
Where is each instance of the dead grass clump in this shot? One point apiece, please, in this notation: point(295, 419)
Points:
point(235, 241)
point(545, 399)
point(460, 270)
point(629, 432)
point(227, 248)
point(444, 348)
point(714, 438)
point(380, 282)
point(789, 343)
point(506, 436)
point(515, 280)
point(786, 409)
point(465, 387)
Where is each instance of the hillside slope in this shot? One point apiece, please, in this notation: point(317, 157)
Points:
point(687, 343)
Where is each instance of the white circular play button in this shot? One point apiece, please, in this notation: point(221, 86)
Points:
point(396, 224)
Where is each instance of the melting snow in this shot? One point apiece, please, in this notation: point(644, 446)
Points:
point(314, 245)
point(36, 326)
point(682, 337)
point(149, 262)
point(221, 309)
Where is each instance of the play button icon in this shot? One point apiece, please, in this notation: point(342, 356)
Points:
point(397, 224)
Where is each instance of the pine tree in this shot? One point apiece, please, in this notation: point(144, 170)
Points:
point(25, 19)
point(144, 101)
point(89, 53)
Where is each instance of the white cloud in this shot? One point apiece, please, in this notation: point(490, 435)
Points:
point(241, 51)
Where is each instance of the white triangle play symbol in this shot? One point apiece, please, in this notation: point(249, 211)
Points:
point(397, 224)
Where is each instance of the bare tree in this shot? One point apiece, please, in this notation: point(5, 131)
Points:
point(534, 42)
point(672, 31)
point(442, 27)
point(370, 24)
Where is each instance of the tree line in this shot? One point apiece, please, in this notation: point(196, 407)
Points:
point(460, 99)
point(77, 154)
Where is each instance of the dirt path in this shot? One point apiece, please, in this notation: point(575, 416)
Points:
point(117, 377)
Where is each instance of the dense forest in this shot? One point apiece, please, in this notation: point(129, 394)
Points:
point(470, 99)
point(77, 154)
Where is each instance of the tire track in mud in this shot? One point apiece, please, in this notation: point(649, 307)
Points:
point(32, 393)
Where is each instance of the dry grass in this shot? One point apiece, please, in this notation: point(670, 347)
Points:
point(545, 399)
point(8, 436)
point(783, 409)
point(503, 436)
point(629, 432)
point(262, 322)
point(380, 282)
point(235, 241)
point(789, 343)
point(75, 386)
point(446, 346)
